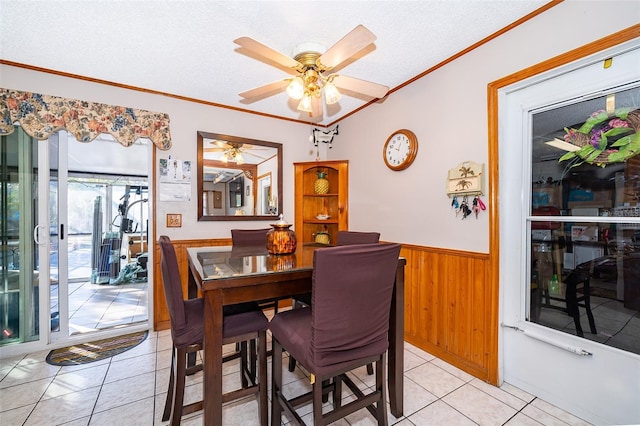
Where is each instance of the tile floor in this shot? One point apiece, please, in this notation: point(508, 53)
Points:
point(130, 389)
point(95, 307)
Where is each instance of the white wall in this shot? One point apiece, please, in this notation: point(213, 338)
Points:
point(447, 110)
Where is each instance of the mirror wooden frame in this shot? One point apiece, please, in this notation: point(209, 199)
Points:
point(200, 175)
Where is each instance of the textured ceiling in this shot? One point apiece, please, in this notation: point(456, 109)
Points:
point(186, 48)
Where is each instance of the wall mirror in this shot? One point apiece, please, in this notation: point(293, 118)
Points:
point(238, 178)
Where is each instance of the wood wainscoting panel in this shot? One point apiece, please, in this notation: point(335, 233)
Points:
point(447, 306)
point(161, 319)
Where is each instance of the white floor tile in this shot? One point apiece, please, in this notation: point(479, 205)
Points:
point(76, 381)
point(125, 391)
point(434, 379)
point(438, 414)
point(65, 408)
point(479, 406)
point(23, 394)
point(137, 413)
point(16, 416)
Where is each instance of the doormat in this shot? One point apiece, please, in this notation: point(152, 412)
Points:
point(95, 351)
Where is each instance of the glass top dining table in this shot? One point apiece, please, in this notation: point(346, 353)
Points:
point(226, 275)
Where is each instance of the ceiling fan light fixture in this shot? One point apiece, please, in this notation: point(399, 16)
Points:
point(295, 89)
point(305, 103)
point(331, 93)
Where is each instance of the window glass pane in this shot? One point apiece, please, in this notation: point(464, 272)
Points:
point(584, 245)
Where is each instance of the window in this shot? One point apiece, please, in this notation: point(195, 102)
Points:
point(584, 218)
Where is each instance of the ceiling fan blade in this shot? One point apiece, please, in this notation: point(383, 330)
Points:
point(364, 87)
point(265, 91)
point(221, 144)
point(267, 52)
point(359, 38)
point(316, 107)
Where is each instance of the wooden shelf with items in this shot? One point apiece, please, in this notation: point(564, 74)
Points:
point(314, 199)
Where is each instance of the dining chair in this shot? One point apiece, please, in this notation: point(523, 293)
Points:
point(355, 237)
point(344, 238)
point(339, 332)
point(255, 238)
point(187, 330)
point(249, 237)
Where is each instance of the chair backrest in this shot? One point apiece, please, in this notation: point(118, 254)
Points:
point(351, 301)
point(172, 283)
point(249, 237)
point(352, 237)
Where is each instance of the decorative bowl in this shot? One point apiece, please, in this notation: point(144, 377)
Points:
point(322, 217)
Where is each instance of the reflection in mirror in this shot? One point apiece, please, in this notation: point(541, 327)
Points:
point(238, 178)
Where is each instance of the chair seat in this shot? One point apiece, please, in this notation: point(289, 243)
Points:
point(293, 330)
point(247, 322)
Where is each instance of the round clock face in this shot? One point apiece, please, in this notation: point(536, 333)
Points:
point(400, 149)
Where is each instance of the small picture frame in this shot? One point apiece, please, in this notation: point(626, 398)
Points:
point(174, 220)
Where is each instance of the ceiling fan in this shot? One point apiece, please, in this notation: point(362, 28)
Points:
point(234, 152)
point(312, 71)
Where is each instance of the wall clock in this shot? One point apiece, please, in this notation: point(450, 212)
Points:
point(400, 149)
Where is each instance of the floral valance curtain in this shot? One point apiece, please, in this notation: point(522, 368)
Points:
point(42, 115)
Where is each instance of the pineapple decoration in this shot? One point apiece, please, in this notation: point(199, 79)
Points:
point(321, 185)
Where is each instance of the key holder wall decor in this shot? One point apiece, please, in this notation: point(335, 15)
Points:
point(467, 178)
point(464, 181)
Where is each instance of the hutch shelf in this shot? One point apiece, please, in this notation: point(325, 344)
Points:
point(309, 204)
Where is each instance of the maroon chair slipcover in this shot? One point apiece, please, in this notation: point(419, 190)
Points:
point(340, 331)
point(187, 331)
point(353, 237)
point(249, 237)
point(244, 238)
point(344, 238)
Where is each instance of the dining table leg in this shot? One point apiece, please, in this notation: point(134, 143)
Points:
point(396, 344)
point(213, 330)
point(192, 293)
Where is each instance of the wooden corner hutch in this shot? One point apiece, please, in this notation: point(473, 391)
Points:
point(309, 204)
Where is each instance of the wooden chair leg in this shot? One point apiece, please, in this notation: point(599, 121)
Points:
point(325, 397)
point(276, 384)
point(244, 372)
point(337, 392)
point(317, 403)
point(263, 407)
point(178, 400)
point(169, 401)
point(253, 360)
point(381, 406)
point(292, 363)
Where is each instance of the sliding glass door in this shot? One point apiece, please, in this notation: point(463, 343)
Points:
point(99, 220)
point(19, 265)
point(74, 219)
